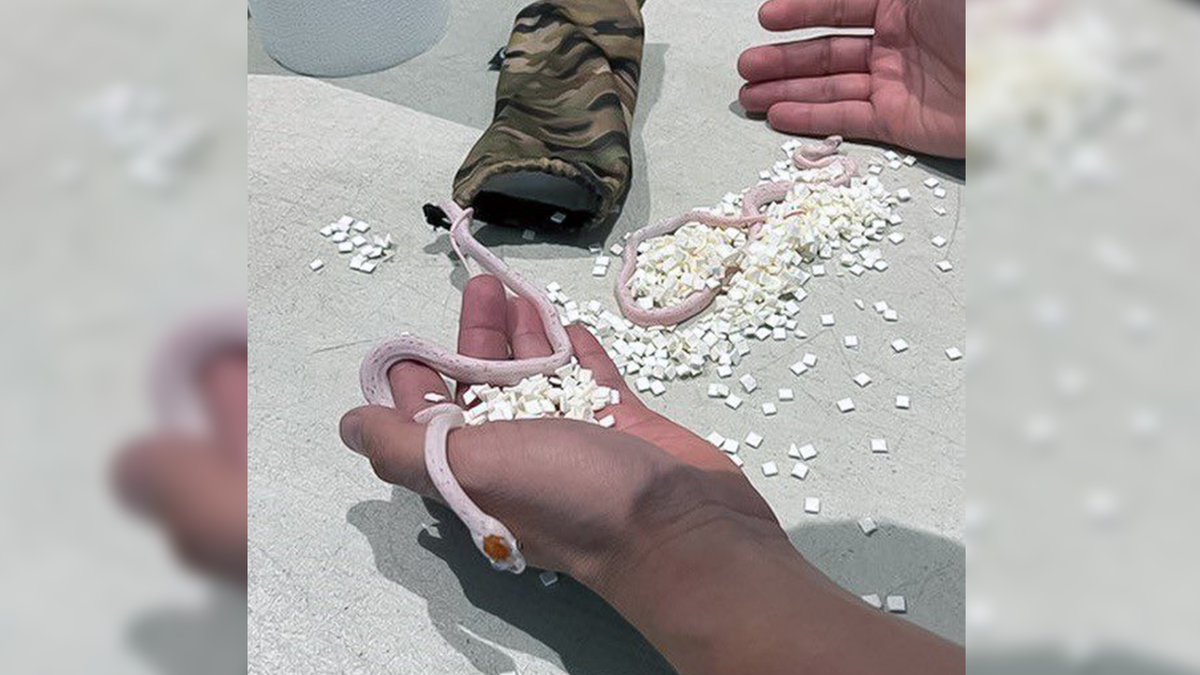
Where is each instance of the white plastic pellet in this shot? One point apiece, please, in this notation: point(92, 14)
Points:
point(528, 235)
point(940, 210)
point(770, 469)
point(873, 600)
point(827, 320)
point(642, 384)
point(316, 264)
point(368, 267)
point(607, 421)
point(754, 440)
point(345, 247)
point(812, 505)
point(894, 164)
point(896, 237)
point(433, 397)
point(862, 379)
point(599, 270)
point(748, 383)
point(940, 193)
point(938, 241)
point(715, 438)
point(809, 360)
point(880, 306)
point(818, 270)
point(327, 231)
point(896, 604)
point(879, 445)
point(867, 525)
point(733, 401)
point(875, 169)
point(890, 314)
point(899, 345)
point(737, 461)
point(344, 223)
point(800, 470)
point(845, 405)
point(548, 578)
point(932, 182)
point(954, 353)
point(851, 341)
point(786, 394)
point(944, 265)
point(769, 409)
point(903, 194)
point(339, 237)
point(558, 218)
point(729, 446)
point(891, 155)
point(360, 226)
point(903, 402)
point(717, 390)
point(909, 160)
point(657, 388)
point(859, 303)
point(358, 240)
point(805, 452)
point(724, 371)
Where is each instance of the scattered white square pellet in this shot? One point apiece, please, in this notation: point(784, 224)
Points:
point(954, 353)
point(715, 438)
point(769, 409)
point(909, 160)
point(770, 469)
point(940, 210)
point(890, 314)
point(358, 240)
point(879, 445)
point(845, 405)
point(880, 306)
point(899, 345)
point(360, 226)
point(327, 231)
point(932, 182)
point(754, 440)
point(818, 270)
point(528, 235)
point(657, 388)
point(862, 379)
point(873, 600)
point(344, 223)
point(805, 452)
point(800, 470)
point(786, 394)
point(339, 237)
point(368, 267)
point(894, 164)
point(939, 241)
point(558, 218)
point(433, 397)
point(798, 367)
point(896, 604)
point(896, 237)
point(867, 525)
point(891, 155)
point(851, 341)
point(345, 247)
point(903, 194)
point(729, 446)
point(944, 265)
point(859, 303)
point(748, 383)
point(827, 320)
point(733, 402)
point(875, 169)
point(809, 360)
point(940, 193)
point(718, 390)
point(316, 264)
point(737, 461)
point(903, 402)
point(724, 371)
point(548, 578)
point(642, 384)
point(607, 421)
point(812, 505)
point(600, 270)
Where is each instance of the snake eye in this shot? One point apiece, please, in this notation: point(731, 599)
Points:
point(495, 548)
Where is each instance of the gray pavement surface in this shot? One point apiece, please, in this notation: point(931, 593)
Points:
point(344, 575)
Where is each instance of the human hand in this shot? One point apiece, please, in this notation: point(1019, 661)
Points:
point(587, 500)
point(195, 488)
point(904, 85)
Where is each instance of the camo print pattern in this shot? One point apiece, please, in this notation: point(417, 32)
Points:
point(565, 100)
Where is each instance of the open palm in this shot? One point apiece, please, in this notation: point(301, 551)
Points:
point(905, 85)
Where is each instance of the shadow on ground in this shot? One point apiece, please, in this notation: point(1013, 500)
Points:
point(485, 613)
point(210, 640)
point(1054, 661)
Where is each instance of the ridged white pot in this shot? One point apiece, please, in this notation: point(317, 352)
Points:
point(332, 38)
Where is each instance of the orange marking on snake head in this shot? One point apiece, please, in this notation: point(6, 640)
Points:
point(495, 548)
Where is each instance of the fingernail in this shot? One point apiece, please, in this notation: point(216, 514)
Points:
point(351, 430)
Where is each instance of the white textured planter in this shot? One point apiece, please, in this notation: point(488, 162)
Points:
point(332, 38)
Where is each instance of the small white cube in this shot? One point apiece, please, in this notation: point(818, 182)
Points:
point(867, 525)
point(812, 505)
point(724, 371)
point(890, 314)
point(345, 247)
point(786, 394)
point(809, 360)
point(909, 160)
point(903, 194)
point(754, 440)
point(896, 237)
point(940, 193)
point(607, 421)
point(851, 341)
point(805, 452)
point(862, 379)
point(798, 367)
point(748, 383)
point(879, 445)
point(800, 470)
point(715, 438)
point(548, 578)
point(845, 405)
point(433, 397)
point(896, 604)
point(733, 402)
point(873, 600)
point(899, 345)
point(770, 469)
point(939, 241)
point(528, 235)
point(316, 264)
point(954, 353)
point(827, 320)
point(642, 384)
point(729, 446)
point(737, 461)
point(657, 388)
point(940, 210)
point(932, 182)
point(769, 409)
point(903, 402)
point(944, 265)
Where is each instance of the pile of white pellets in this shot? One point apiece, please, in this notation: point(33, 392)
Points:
point(350, 236)
point(571, 392)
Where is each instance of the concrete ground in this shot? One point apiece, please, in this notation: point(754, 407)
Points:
point(344, 577)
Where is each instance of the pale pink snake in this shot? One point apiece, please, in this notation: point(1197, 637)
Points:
point(491, 537)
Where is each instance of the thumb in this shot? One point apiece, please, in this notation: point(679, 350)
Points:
point(395, 448)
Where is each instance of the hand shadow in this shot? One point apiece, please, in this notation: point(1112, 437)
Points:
point(564, 623)
point(186, 641)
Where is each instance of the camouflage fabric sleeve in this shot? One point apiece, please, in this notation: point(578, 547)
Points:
point(564, 108)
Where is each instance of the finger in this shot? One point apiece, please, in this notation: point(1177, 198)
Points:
point(788, 15)
point(482, 326)
point(525, 331)
point(223, 390)
point(198, 498)
point(852, 119)
point(807, 58)
point(395, 447)
point(410, 382)
point(845, 87)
